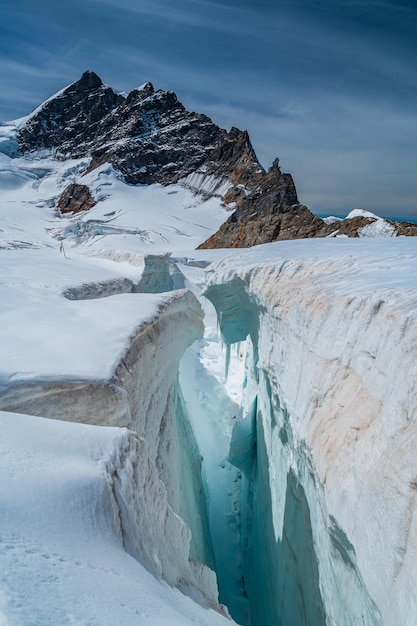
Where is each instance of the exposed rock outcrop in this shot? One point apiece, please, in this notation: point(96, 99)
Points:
point(407, 229)
point(269, 212)
point(75, 198)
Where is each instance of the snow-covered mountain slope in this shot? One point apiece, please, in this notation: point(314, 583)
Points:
point(327, 435)
point(125, 217)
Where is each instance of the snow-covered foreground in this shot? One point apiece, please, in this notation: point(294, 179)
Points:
point(91, 531)
point(73, 497)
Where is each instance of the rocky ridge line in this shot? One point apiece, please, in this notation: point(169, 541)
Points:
point(150, 137)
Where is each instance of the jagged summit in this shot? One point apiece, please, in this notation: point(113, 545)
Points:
point(147, 89)
point(70, 118)
point(150, 137)
point(89, 80)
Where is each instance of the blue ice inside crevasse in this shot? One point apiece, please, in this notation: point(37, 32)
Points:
point(294, 564)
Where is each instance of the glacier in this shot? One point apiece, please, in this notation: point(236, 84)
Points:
point(326, 436)
point(95, 317)
point(164, 453)
point(110, 361)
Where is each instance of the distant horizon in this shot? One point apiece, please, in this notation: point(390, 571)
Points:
point(385, 217)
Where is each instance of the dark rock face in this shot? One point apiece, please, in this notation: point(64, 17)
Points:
point(150, 137)
point(70, 119)
point(75, 198)
point(295, 222)
point(270, 213)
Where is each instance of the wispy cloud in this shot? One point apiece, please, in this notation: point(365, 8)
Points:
point(341, 157)
point(189, 13)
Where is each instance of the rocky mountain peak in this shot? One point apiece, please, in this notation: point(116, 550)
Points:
point(275, 164)
point(69, 118)
point(89, 80)
point(141, 93)
point(150, 137)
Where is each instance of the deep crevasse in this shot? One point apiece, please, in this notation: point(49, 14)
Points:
point(212, 408)
point(315, 523)
point(160, 481)
point(325, 441)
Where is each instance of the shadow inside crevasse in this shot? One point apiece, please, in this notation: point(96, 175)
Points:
point(281, 577)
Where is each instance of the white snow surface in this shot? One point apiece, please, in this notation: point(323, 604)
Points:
point(361, 213)
point(45, 335)
point(62, 532)
point(332, 219)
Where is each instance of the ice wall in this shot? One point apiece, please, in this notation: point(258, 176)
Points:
point(141, 393)
point(327, 437)
point(212, 413)
point(78, 501)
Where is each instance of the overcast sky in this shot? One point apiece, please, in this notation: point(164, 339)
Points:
point(329, 86)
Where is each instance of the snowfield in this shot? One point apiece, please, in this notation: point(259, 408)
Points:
point(142, 459)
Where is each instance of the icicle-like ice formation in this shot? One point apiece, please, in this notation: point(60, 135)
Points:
point(327, 528)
